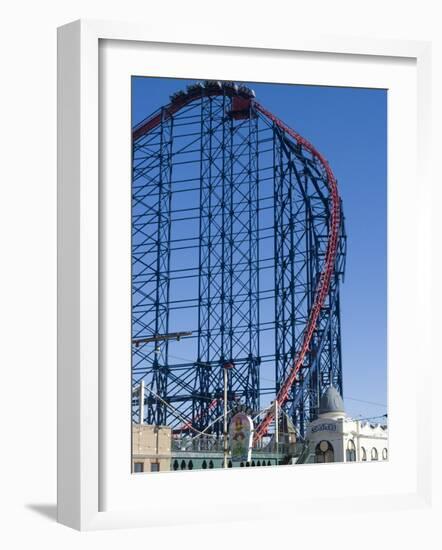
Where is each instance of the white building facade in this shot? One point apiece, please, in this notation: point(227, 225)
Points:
point(333, 437)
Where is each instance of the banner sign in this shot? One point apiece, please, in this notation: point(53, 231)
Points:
point(240, 437)
point(324, 428)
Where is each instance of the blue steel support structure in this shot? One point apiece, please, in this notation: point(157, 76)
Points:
point(231, 220)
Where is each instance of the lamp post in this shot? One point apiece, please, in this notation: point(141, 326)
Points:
point(276, 426)
point(226, 367)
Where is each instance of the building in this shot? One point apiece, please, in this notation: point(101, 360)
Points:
point(333, 437)
point(151, 448)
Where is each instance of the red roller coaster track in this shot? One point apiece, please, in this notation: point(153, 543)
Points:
point(213, 89)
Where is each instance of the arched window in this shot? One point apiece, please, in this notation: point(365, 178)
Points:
point(384, 454)
point(210, 464)
point(269, 463)
point(204, 465)
point(175, 465)
point(183, 465)
point(190, 465)
point(363, 454)
point(324, 452)
point(374, 454)
point(350, 453)
point(230, 465)
point(259, 463)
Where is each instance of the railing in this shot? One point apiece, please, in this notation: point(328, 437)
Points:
point(212, 444)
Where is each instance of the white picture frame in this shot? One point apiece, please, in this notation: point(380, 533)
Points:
point(95, 488)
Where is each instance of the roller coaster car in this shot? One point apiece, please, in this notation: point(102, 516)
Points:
point(232, 86)
point(178, 97)
point(213, 84)
point(194, 88)
point(242, 108)
point(246, 92)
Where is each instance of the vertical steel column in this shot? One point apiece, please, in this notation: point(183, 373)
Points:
point(202, 392)
point(252, 396)
point(151, 223)
point(228, 282)
point(285, 249)
point(212, 329)
point(243, 254)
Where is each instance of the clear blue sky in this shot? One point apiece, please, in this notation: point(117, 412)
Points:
point(349, 126)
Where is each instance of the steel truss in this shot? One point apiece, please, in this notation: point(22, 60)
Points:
point(261, 212)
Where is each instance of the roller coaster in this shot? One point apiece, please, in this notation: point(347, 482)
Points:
point(238, 252)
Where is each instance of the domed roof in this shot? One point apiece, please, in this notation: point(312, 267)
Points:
point(331, 402)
